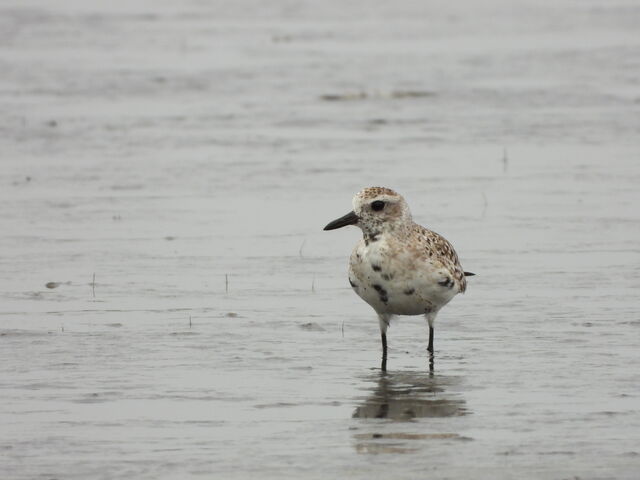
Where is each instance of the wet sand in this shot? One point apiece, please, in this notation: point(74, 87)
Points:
point(189, 155)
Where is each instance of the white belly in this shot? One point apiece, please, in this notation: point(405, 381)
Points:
point(398, 284)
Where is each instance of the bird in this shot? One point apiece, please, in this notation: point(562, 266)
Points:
point(399, 267)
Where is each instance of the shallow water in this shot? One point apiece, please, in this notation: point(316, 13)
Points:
point(188, 157)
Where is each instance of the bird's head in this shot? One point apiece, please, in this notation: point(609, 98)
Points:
point(375, 210)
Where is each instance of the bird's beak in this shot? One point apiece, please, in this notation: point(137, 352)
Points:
point(349, 219)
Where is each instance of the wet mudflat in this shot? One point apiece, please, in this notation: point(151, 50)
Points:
point(189, 155)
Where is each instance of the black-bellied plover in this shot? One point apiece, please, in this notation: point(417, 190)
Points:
point(399, 267)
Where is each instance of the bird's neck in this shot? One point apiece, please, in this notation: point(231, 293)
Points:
point(373, 233)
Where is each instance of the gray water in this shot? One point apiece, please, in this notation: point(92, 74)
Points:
point(188, 155)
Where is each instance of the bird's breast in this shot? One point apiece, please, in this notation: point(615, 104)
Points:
point(392, 280)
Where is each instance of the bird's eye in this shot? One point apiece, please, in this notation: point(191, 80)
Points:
point(377, 205)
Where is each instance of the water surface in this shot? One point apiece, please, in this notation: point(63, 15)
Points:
point(170, 308)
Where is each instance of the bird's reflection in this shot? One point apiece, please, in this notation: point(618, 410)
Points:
point(403, 396)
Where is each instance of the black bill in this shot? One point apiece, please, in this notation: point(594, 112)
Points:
point(349, 219)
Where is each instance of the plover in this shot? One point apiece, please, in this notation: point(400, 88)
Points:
point(399, 267)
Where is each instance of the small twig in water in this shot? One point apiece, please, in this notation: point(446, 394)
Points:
point(301, 247)
point(486, 204)
point(62, 328)
point(505, 159)
point(93, 285)
point(189, 321)
point(313, 284)
point(226, 283)
point(342, 328)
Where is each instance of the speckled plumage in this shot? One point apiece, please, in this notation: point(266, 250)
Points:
point(399, 267)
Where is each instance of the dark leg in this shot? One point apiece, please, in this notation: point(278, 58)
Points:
point(383, 319)
point(430, 347)
point(383, 367)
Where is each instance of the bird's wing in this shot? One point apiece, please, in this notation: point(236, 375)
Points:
point(438, 248)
